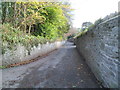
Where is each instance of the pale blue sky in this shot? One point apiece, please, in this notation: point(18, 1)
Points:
point(91, 10)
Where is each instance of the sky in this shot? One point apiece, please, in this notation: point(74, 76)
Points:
point(91, 10)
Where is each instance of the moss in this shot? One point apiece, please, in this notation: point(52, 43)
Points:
point(2, 67)
point(80, 34)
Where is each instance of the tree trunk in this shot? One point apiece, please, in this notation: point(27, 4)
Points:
point(15, 15)
point(29, 29)
point(25, 17)
point(4, 7)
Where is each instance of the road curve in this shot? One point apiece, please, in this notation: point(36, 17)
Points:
point(63, 68)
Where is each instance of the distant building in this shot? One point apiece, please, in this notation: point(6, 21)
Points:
point(86, 25)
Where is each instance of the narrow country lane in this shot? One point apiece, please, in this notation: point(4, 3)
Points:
point(63, 68)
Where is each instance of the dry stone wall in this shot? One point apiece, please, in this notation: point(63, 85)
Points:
point(99, 46)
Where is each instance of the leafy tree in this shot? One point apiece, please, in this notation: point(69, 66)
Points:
point(45, 19)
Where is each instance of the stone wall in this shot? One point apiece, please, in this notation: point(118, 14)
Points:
point(20, 53)
point(99, 46)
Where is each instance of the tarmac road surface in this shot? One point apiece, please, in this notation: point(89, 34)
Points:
point(63, 68)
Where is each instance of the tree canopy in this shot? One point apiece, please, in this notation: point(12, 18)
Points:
point(46, 19)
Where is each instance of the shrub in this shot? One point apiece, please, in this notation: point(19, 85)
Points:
point(98, 21)
point(12, 36)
